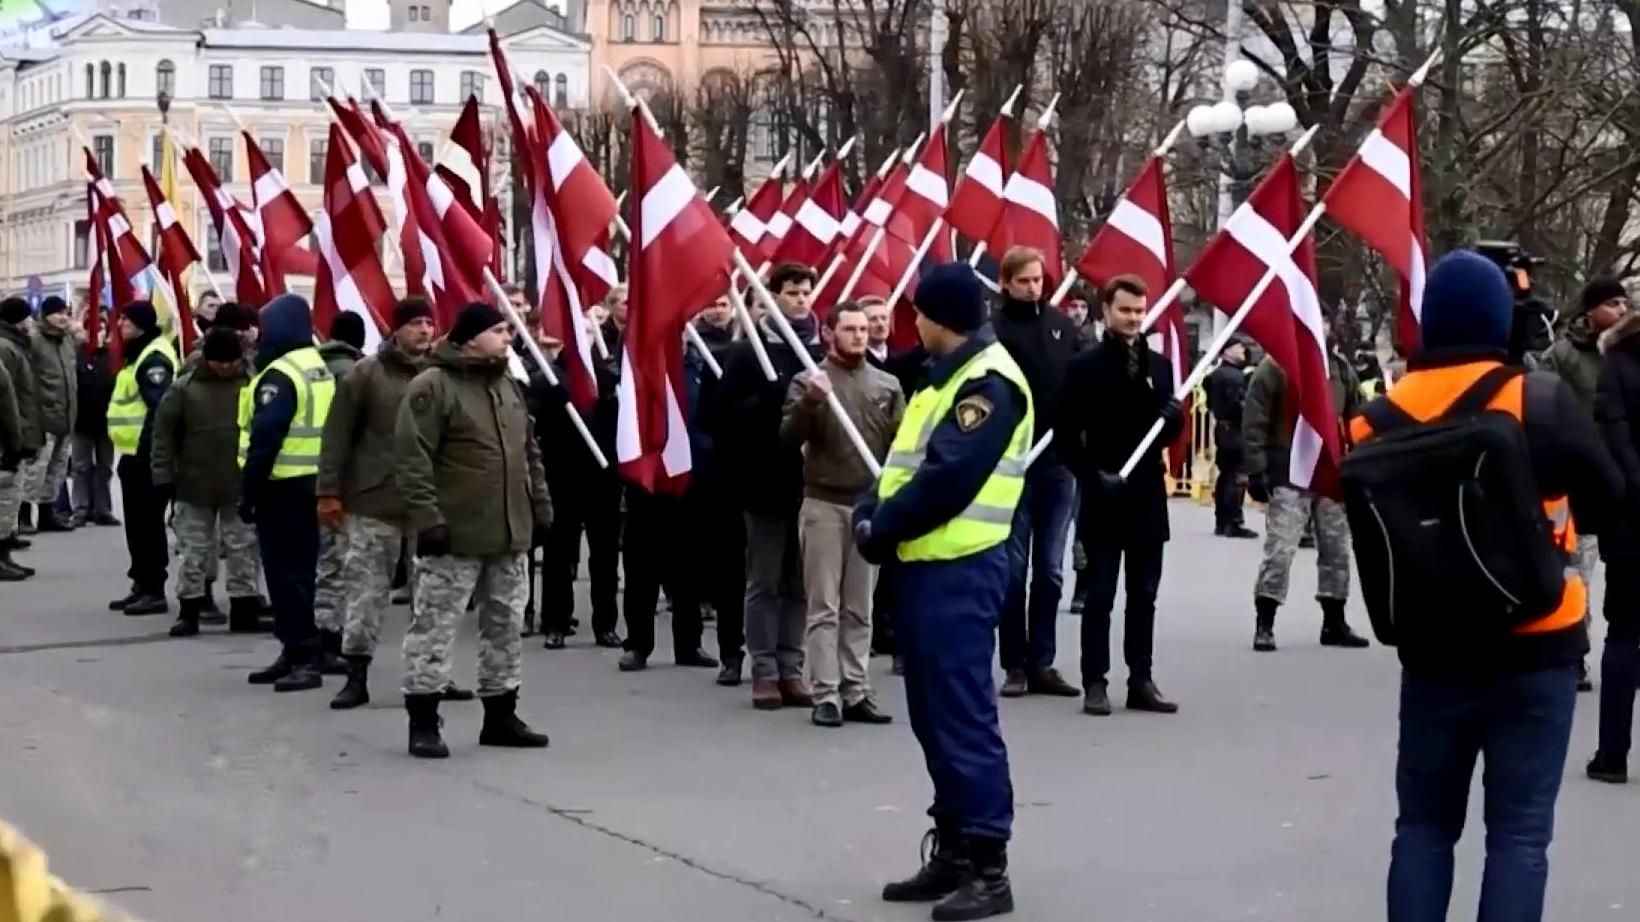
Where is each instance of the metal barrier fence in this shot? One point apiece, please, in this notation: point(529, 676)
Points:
point(29, 893)
point(1196, 480)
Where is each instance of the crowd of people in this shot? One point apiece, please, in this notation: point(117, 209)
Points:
point(446, 466)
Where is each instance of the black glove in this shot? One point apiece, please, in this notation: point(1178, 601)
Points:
point(434, 542)
point(1258, 488)
point(874, 549)
point(10, 461)
point(1172, 411)
point(247, 512)
point(1109, 484)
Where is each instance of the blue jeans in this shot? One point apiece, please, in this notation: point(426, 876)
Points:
point(1521, 722)
point(1036, 547)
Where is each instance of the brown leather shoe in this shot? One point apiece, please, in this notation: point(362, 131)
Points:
point(794, 693)
point(1015, 685)
point(766, 695)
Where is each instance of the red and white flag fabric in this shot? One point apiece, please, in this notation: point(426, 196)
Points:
point(283, 222)
point(127, 259)
point(1286, 320)
point(1030, 214)
point(924, 199)
point(570, 213)
point(1137, 239)
point(976, 203)
point(1378, 197)
point(780, 223)
point(749, 228)
point(464, 165)
point(175, 255)
point(346, 231)
point(234, 234)
point(680, 256)
point(816, 220)
point(381, 154)
point(97, 242)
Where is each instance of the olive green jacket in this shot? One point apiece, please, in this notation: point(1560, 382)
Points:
point(17, 355)
point(59, 389)
point(1575, 357)
point(11, 431)
point(467, 458)
point(196, 437)
point(359, 460)
point(1267, 423)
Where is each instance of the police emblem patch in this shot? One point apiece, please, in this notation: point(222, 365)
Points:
point(156, 375)
point(265, 394)
point(972, 412)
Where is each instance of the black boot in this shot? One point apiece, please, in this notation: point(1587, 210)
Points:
point(1145, 696)
point(124, 600)
point(209, 613)
point(945, 865)
point(502, 726)
point(49, 520)
point(245, 615)
point(985, 891)
point(10, 570)
point(329, 658)
point(1335, 631)
point(149, 603)
point(275, 671)
point(454, 692)
point(425, 741)
point(357, 690)
point(303, 676)
point(1096, 699)
point(187, 618)
point(1264, 627)
point(25, 520)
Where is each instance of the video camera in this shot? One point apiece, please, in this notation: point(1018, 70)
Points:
point(1533, 328)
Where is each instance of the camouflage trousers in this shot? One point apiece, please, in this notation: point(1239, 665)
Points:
point(329, 588)
point(1284, 524)
point(372, 556)
point(46, 473)
point(11, 499)
point(1588, 558)
point(498, 585)
point(202, 533)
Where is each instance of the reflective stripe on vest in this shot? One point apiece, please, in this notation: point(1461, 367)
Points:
point(989, 518)
point(315, 388)
point(126, 411)
point(1425, 395)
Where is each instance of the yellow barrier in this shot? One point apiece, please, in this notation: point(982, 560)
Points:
point(28, 892)
point(1199, 469)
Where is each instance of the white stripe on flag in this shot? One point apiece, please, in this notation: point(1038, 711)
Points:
point(104, 187)
point(1022, 190)
point(665, 201)
point(851, 223)
point(675, 457)
point(562, 158)
point(268, 186)
point(1307, 445)
point(815, 220)
point(438, 192)
point(878, 211)
point(925, 183)
point(780, 224)
point(1388, 161)
point(598, 262)
point(628, 443)
point(747, 226)
point(985, 171)
point(1416, 282)
point(118, 226)
point(165, 215)
point(357, 181)
point(1263, 240)
point(1141, 227)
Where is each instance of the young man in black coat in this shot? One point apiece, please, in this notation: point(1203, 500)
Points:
point(1113, 394)
point(1617, 411)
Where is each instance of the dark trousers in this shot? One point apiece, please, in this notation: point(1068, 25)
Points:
point(287, 530)
point(715, 538)
point(882, 610)
point(92, 460)
point(654, 557)
point(1620, 661)
point(1036, 558)
point(1230, 490)
point(589, 504)
point(144, 525)
point(1143, 567)
point(947, 635)
point(1521, 722)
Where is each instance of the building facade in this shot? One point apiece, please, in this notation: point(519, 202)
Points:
point(101, 83)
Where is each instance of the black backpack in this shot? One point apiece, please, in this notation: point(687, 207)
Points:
point(1450, 536)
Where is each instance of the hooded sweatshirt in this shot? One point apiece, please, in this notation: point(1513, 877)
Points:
point(287, 325)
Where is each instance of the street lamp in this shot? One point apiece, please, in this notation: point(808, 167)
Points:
point(1235, 129)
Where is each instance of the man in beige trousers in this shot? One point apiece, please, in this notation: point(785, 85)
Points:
point(838, 580)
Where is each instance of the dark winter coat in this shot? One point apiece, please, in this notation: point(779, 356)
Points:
point(467, 456)
point(1226, 390)
point(1113, 393)
point(1575, 357)
point(359, 458)
point(743, 422)
point(1269, 418)
point(196, 437)
point(1042, 341)
point(59, 389)
point(96, 389)
point(17, 355)
point(11, 432)
point(1617, 412)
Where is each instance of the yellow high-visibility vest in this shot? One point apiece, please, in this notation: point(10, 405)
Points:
point(126, 411)
point(988, 520)
point(315, 388)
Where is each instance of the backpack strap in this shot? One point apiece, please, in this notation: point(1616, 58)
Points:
point(1479, 394)
point(1385, 417)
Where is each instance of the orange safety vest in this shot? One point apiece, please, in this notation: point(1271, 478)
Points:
point(1425, 395)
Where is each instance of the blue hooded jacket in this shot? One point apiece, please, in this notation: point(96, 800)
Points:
point(287, 325)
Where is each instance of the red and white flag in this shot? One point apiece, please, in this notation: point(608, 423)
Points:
point(749, 228)
point(680, 256)
point(234, 235)
point(1137, 239)
point(924, 199)
point(283, 222)
point(98, 243)
point(1286, 320)
point(127, 259)
point(976, 203)
point(381, 154)
point(1379, 198)
point(817, 213)
point(1030, 214)
point(464, 165)
point(175, 255)
point(347, 230)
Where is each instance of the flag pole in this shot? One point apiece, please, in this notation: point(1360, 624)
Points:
point(693, 335)
point(916, 261)
point(750, 328)
point(534, 349)
point(784, 326)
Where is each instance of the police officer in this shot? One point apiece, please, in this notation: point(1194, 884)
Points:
point(1226, 391)
point(281, 422)
point(943, 508)
point(1267, 429)
point(150, 366)
point(476, 496)
point(340, 353)
point(196, 444)
point(358, 490)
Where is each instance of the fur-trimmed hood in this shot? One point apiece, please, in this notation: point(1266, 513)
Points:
point(1620, 331)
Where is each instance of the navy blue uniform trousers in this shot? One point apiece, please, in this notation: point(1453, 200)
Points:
point(287, 529)
point(947, 614)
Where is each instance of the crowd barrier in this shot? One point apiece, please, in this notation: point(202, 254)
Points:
point(1195, 480)
point(29, 893)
